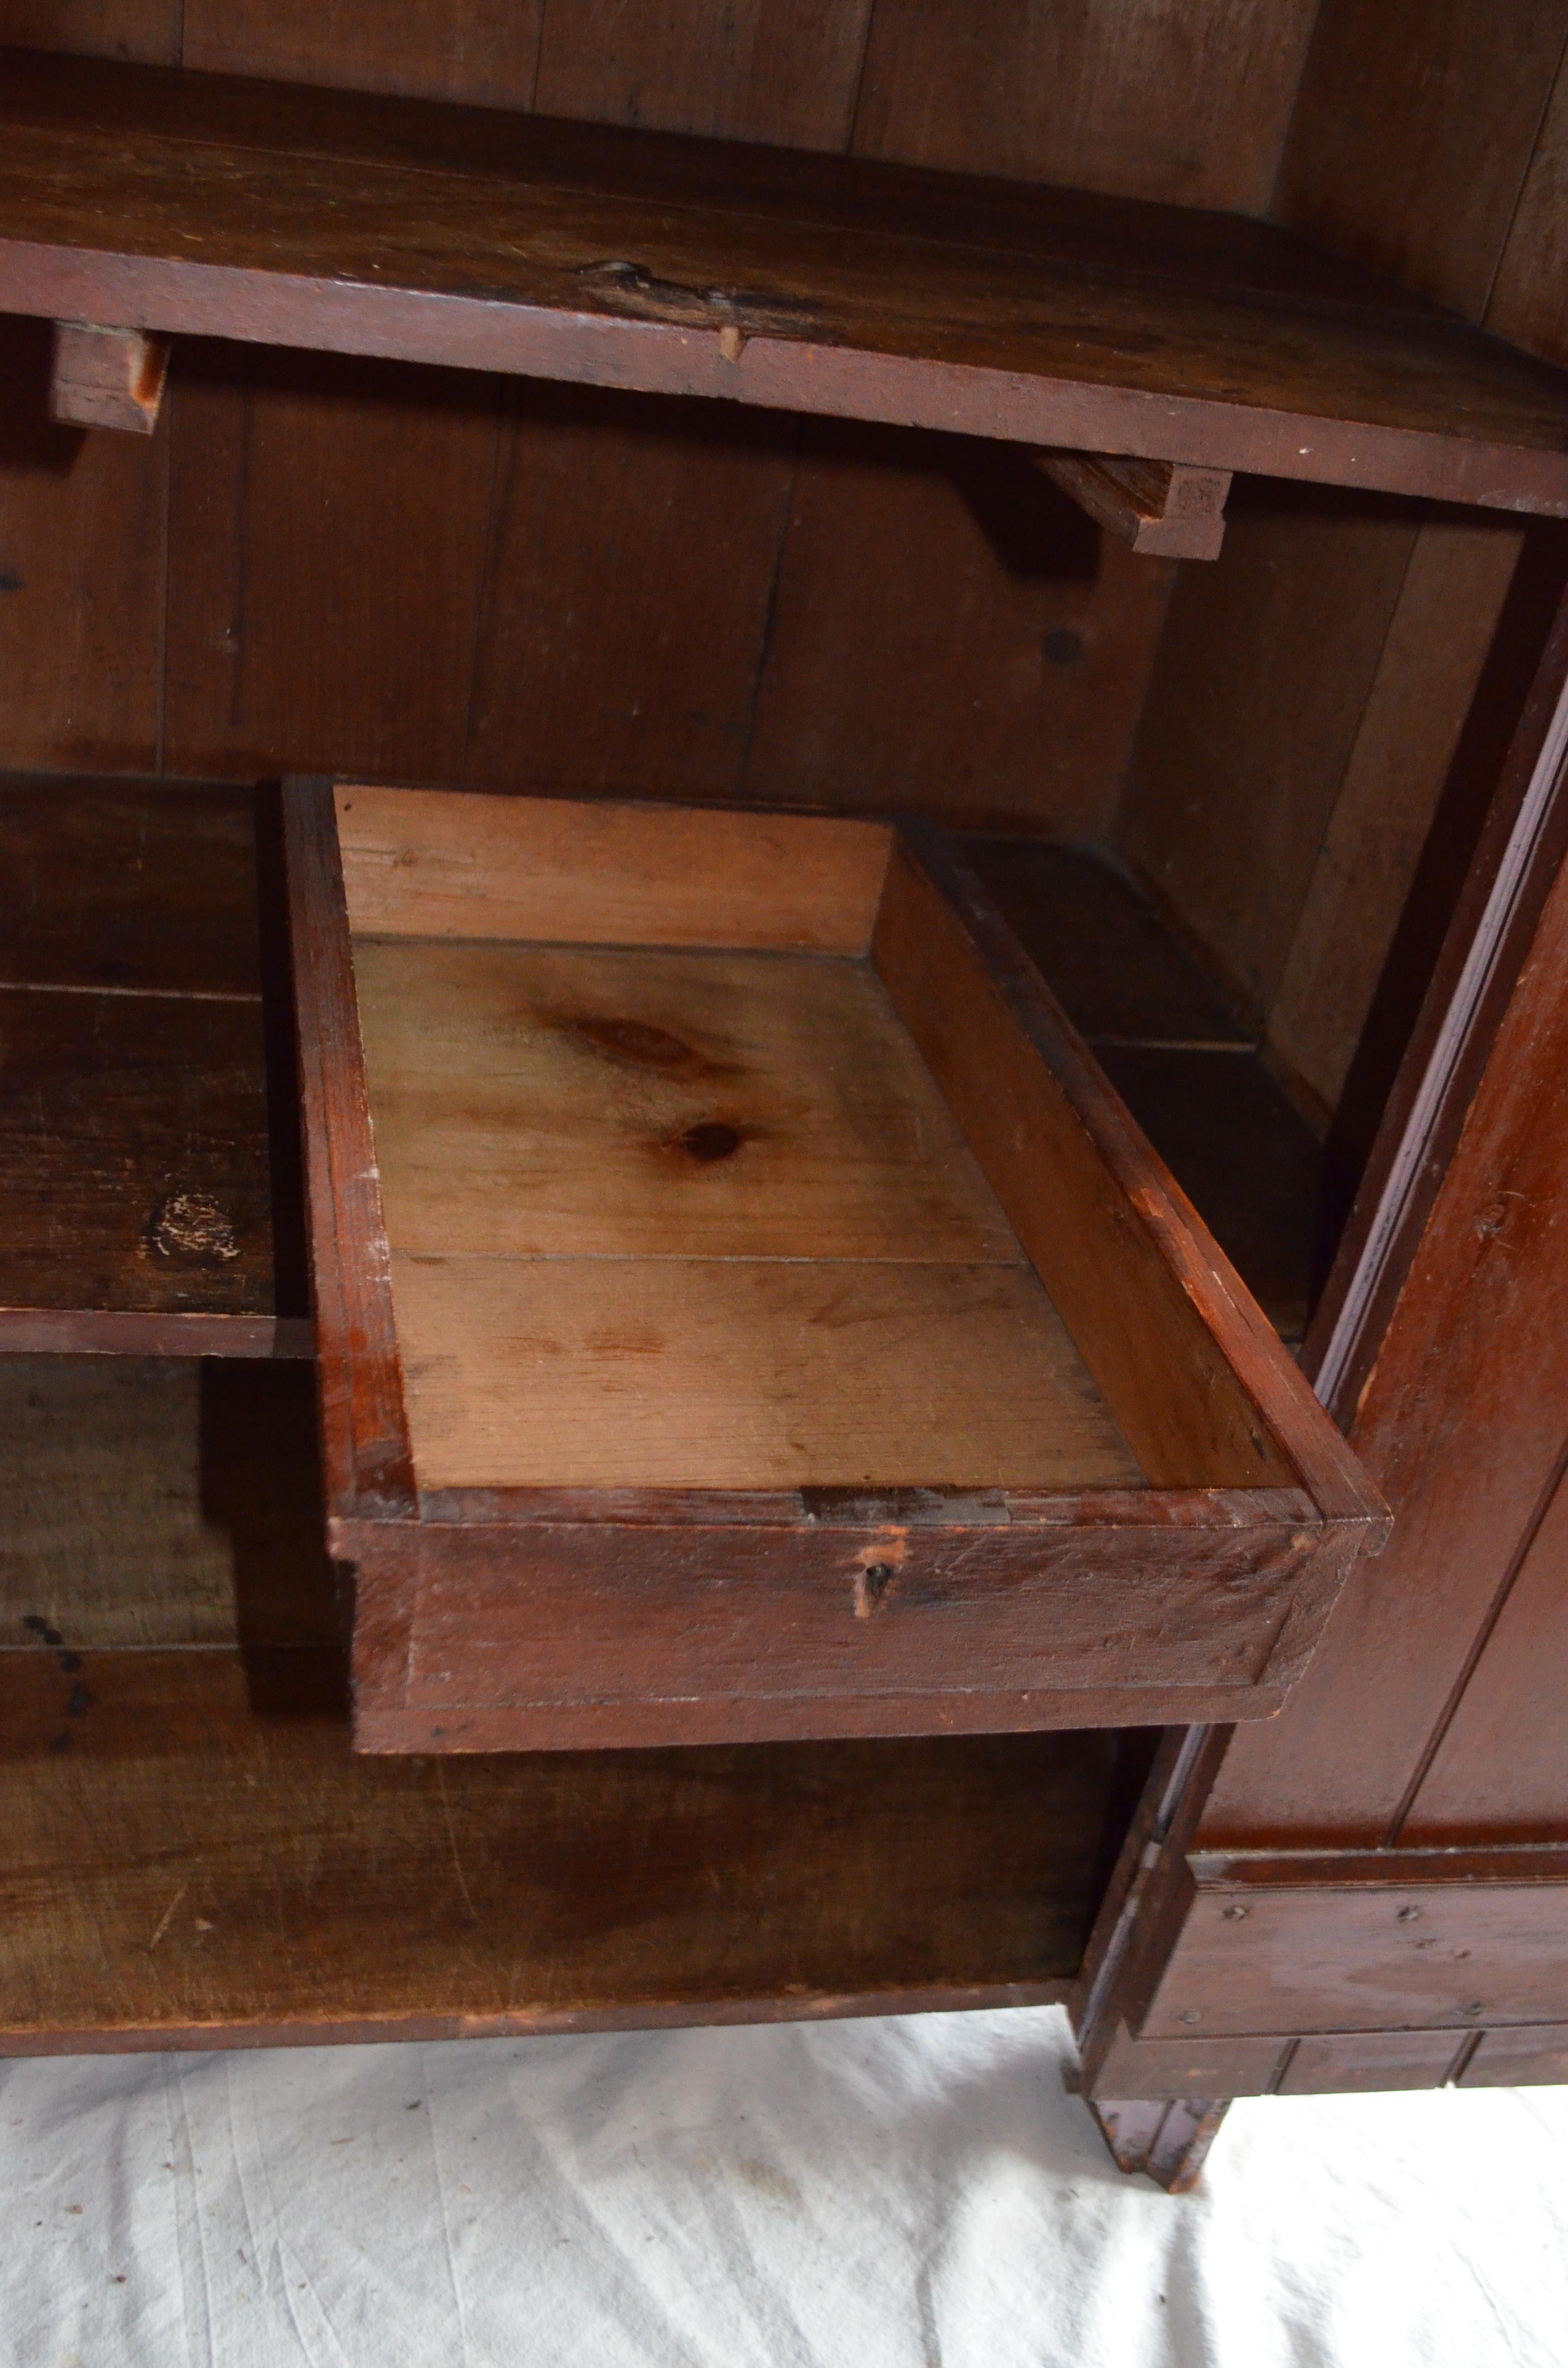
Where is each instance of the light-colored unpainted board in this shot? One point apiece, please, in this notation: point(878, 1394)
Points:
point(1187, 1419)
point(141, 1505)
point(427, 863)
point(732, 1373)
point(1437, 645)
point(571, 1103)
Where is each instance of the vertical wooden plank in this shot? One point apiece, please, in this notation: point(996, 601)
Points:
point(1188, 103)
point(81, 577)
point(1462, 1426)
point(1426, 676)
point(1529, 297)
point(326, 544)
point(1501, 1768)
point(1257, 694)
point(784, 71)
point(952, 635)
point(1414, 132)
point(479, 50)
point(634, 548)
point(146, 31)
point(636, 542)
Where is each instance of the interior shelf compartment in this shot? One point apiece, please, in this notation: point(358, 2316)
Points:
point(145, 1094)
point(196, 1856)
point(745, 1311)
point(189, 203)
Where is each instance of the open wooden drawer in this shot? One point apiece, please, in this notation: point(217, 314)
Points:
point(745, 1311)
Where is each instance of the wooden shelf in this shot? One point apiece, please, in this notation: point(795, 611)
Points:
point(146, 1102)
point(193, 204)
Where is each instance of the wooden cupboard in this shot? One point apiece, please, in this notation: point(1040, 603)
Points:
point(784, 409)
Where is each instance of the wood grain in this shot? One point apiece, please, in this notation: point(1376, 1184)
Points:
point(1157, 508)
point(599, 288)
point(150, 1506)
point(1431, 660)
point(189, 1873)
point(1498, 1767)
point(1010, 700)
point(107, 378)
point(423, 864)
point(314, 505)
point(1358, 2063)
point(131, 885)
point(740, 1373)
point(134, 1153)
point(81, 565)
point(1465, 1450)
point(1527, 296)
point(1257, 694)
point(742, 69)
point(1187, 1421)
point(1413, 134)
point(1190, 107)
point(1115, 968)
point(1452, 1952)
point(583, 682)
point(537, 1103)
point(481, 51)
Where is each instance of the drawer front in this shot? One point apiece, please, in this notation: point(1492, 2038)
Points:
point(539, 1637)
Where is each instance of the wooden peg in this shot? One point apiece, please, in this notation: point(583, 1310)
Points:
point(1161, 507)
point(107, 378)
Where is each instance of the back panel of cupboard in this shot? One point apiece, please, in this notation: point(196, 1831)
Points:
point(324, 565)
point(318, 564)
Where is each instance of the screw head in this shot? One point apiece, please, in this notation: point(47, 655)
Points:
point(1234, 1914)
point(1192, 2015)
point(1408, 1915)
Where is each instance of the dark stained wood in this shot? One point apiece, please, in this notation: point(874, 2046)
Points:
point(364, 1426)
point(133, 885)
point(1011, 698)
point(584, 682)
point(1206, 2072)
point(479, 50)
point(148, 30)
point(1102, 950)
point(1522, 2058)
point(1413, 134)
point(1257, 692)
point(501, 1614)
point(145, 1135)
point(1452, 601)
point(193, 1867)
point(1359, 2062)
point(316, 507)
point(1159, 510)
point(133, 1155)
point(742, 70)
point(81, 570)
point(1244, 1155)
point(1371, 1940)
point(1527, 303)
point(1499, 1768)
point(107, 378)
point(1191, 109)
point(596, 287)
point(1168, 2139)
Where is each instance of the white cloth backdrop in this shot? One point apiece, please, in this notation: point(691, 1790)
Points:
point(916, 2192)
